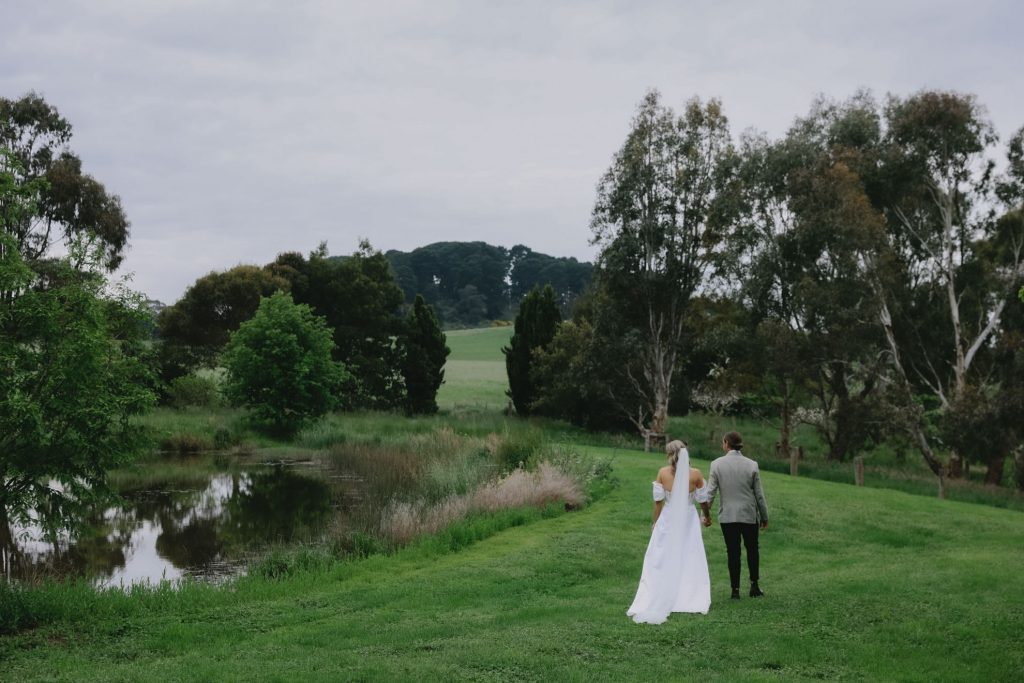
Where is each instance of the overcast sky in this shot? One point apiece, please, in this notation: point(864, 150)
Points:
point(236, 129)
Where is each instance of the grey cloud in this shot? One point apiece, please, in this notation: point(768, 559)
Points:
point(234, 130)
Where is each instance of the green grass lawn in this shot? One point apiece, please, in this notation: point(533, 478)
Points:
point(863, 584)
point(475, 375)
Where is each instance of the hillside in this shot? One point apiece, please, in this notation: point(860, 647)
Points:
point(862, 585)
point(473, 282)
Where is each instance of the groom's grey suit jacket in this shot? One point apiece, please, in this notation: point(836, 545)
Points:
point(738, 480)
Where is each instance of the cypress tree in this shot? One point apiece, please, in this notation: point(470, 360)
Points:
point(424, 358)
point(535, 327)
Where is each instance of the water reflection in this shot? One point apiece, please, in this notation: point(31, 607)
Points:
point(170, 529)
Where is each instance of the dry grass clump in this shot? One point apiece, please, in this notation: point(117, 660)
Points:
point(547, 485)
point(403, 521)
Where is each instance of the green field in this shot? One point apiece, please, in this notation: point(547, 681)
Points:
point(475, 375)
point(863, 583)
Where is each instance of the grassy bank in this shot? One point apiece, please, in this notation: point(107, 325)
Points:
point(862, 584)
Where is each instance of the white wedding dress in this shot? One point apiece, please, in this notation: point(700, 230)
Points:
point(675, 576)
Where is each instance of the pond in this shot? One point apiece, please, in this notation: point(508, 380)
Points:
point(195, 520)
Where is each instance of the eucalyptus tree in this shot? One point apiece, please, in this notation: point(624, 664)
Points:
point(74, 209)
point(798, 268)
point(941, 296)
point(660, 219)
point(70, 376)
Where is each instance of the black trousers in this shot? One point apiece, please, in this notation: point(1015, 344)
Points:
point(732, 532)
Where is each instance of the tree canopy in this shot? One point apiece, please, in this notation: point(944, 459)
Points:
point(73, 206)
point(473, 282)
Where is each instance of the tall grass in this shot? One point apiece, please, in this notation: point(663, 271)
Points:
point(403, 521)
point(425, 482)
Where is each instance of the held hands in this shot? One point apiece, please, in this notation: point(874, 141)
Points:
point(706, 520)
point(764, 524)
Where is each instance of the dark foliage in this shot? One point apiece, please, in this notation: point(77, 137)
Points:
point(423, 356)
point(358, 297)
point(535, 327)
point(468, 283)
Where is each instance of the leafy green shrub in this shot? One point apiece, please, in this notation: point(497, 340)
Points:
point(193, 390)
point(224, 438)
point(753, 405)
point(279, 365)
point(517, 448)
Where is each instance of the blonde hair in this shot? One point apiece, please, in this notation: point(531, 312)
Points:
point(672, 449)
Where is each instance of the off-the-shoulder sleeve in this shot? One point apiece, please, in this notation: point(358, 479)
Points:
point(701, 495)
point(659, 492)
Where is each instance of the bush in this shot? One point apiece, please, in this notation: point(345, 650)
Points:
point(517, 449)
point(193, 390)
point(186, 443)
point(279, 365)
point(15, 613)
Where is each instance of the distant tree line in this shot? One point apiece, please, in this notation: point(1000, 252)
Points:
point(469, 283)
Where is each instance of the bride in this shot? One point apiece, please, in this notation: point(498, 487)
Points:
point(675, 575)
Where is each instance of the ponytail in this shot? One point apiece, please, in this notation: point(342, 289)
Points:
point(673, 448)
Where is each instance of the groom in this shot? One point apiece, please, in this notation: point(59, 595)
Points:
point(741, 509)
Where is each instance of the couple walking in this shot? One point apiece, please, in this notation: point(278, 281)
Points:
point(675, 574)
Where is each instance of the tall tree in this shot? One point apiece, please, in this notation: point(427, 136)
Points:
point(70, 379)
point(358, 297)
point(69, 384)
point(199, 324)
point(535, 327)
point(73, 207)
point(661, 216)
point(935, 185)
point(423, 356)
point(799, 265)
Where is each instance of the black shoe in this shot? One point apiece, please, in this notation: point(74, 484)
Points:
point(755, 592)
point(735, 594)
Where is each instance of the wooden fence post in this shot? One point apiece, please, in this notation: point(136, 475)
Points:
point(858, 470)
point(793, 461)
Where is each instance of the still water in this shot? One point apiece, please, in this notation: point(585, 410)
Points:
point(200, 525)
